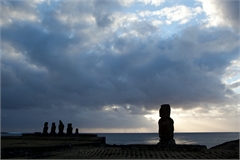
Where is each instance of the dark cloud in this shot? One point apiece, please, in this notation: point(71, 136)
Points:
point(138, 77)
point(102, 11)
point(234, 85)
point(230, 12)
point(224, 13)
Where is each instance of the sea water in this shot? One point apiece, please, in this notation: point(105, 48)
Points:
point(209, 139)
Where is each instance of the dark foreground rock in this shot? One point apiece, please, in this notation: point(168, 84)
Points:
point(231, 145)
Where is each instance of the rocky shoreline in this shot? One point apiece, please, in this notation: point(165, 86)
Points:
point(94, 147)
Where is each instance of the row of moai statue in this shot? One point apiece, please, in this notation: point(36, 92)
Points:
point(60, 129)
point(165, 126)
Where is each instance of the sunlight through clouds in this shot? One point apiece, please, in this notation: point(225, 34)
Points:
point(219, 13)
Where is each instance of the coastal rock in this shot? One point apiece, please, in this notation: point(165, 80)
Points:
point(234, 144)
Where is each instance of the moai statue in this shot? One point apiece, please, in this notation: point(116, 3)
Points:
point(76, 132)
point(165, 126)
point(60, 128)
point(53, 129)
point(45, 128)
point(69, 129)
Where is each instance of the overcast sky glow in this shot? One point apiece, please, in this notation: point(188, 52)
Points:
point(108, 65)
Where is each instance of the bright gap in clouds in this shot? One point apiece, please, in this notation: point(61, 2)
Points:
point(199, 119)
point(231, 77)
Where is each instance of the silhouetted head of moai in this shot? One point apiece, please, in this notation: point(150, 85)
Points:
point(165, 110)
point(69, 129)
point(45, 124)
point(60, 122)
point(76, 132)
point(45, 128)
point(60, 127)
point(53, 128)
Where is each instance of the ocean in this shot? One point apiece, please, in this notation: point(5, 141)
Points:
point(209, 139)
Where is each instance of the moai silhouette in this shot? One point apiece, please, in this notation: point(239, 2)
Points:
point(53, 129)
point(165, 126)
point(69, 129)
point(45, 128)
point(76, 132)
point(60, 128)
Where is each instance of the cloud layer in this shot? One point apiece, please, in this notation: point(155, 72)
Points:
point(95, 54)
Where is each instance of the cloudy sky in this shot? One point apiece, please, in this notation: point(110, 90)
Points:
point(108, 65)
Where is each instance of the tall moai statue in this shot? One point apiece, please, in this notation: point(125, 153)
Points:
point(60, 128)
point(165, 126)
point(69, 129)
point(53, 129)
point(45, 128)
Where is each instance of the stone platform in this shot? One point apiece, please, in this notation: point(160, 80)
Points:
point(33, 141)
